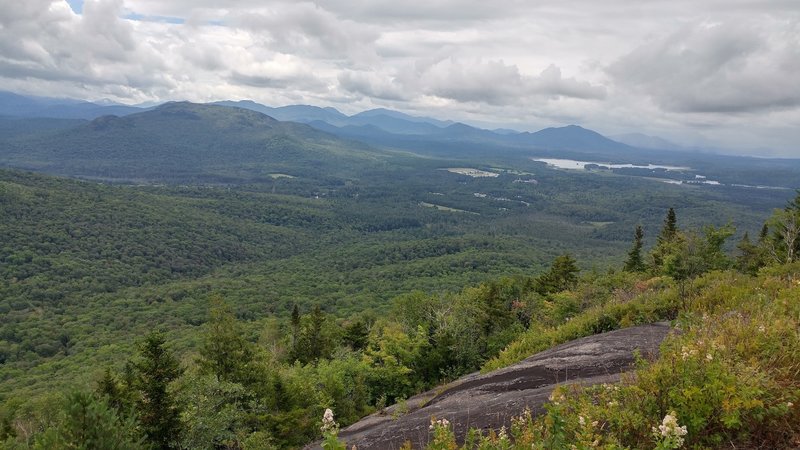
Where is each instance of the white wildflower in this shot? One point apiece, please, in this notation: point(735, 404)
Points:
point(762, 328)
point(687, 352)
point(555, 397)
point(328, 424)
point(670, 430)
point(444, 423)
point(709, 357)
point(581, 421)
point(503, 435)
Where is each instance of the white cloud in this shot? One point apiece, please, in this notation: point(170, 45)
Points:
point(723, 70)
point(731, 67)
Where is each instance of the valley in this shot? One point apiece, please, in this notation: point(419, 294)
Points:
point(118, 226)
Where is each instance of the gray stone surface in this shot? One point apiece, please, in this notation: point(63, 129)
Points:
point(490, 400)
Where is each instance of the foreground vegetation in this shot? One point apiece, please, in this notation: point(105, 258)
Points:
point(727, 379)
point(226, 377)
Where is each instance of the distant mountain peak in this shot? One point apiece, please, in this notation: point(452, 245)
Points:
point(641, 140)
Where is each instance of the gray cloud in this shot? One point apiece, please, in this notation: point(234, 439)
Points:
point(719, 70)
point(497, 83)
point(306, 29)
point(45, 40)
point(470, 81)
point(373, 85)
point(731, 67)
point(298, 82)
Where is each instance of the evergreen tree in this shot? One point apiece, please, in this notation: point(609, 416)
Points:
point(314, 335)
point(667, 241)
point(635, 263)
point(356, 335)
point(117, 394)
point(295, 329)
point(750, 257)
point(764, 234)
point(88, 422)
point(563, 275)
point(670, 228)
point(224, 351)
point(317, 338)
point(157, 410)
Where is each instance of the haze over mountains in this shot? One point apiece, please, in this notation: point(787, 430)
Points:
point(376, 125)
point(245, 141)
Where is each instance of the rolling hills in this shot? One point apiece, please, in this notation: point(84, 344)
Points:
point(183, 142)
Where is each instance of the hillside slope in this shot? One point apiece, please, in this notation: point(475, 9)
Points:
point(182, 142)
point(489, 401)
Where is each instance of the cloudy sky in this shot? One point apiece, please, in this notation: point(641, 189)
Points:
point(700, 72)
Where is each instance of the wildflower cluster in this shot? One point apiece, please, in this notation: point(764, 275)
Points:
point(330, 432)
point(442, 436)
point(669, 434)
point(557, 396)
point(443, 423)
point(328, 424)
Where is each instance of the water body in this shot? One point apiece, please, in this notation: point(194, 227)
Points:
point(572, 164)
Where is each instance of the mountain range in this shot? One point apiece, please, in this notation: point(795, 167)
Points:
point(246, 141)
point(187, 142)
point(380, 126)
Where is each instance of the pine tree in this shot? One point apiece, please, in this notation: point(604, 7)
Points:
point(88, 422)
point(635, 263)
point(156, 408)
point(295, 329)
point(356, 335)
point(224, 351)
point(563, 274)
point(116, 394)
point(315, 338)
point(750, 257)
point(666, 241)
point(670, 227)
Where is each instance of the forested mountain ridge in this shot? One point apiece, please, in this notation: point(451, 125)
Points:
point(185, 142)
point(380, 128)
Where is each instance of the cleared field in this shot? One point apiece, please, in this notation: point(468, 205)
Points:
point(474, 173)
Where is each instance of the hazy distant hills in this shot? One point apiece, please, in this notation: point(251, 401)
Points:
point(186, 141)
point(26, 106)
point(247, 141)
point(380, 127)
point(640, 140)
point(384, 127)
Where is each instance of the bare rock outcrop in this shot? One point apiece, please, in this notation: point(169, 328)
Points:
point(490, 400)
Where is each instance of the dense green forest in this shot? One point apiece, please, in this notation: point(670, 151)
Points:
point(92, 264)
point(264, 284)
point(241, 387)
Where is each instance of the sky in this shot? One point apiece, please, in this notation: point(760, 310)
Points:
point(711, 73)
